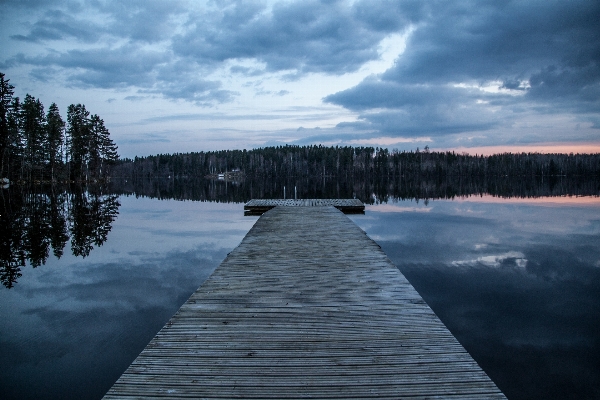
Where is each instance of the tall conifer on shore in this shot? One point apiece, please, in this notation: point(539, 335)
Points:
point(55, 129)
point(6, 93)
point(35, 146)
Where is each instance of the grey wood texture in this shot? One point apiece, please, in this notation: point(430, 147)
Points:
point(307, 306)
point(347, 206)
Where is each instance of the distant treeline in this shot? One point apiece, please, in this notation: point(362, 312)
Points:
point(36, 146)
point(351, 163)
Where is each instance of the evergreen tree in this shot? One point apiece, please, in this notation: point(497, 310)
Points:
point(35, 145)
point(6, 93)
point(107, 148)
point(55, 128)
point(78, 139)
point(94, 156)
point(32, 123)
point(16, 141)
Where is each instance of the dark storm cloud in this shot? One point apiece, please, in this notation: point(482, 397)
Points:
point(461, 41)
point(428, 121)
point(547, 51)
point(297, 37)
point(310, 36)
point(416, 109)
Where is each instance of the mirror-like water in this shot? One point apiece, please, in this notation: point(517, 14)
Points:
point(71, 327)
point(517, 282)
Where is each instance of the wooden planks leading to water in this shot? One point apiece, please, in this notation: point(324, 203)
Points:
point(307, 306)
point(260, 206)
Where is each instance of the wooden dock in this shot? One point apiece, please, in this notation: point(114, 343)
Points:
point(307, 306)
point(347, 206)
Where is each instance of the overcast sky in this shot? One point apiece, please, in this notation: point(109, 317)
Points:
point(178, 76)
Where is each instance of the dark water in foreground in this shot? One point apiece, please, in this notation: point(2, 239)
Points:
point(517, 282)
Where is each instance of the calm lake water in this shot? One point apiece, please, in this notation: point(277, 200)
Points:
point(516, 281)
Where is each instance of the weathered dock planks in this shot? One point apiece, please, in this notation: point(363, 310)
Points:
point(307, 306)
point(347, 206)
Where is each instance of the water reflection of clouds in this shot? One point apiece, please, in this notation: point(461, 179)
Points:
point(518, 283)
point(75, 318)
point(397, 208)
point(556, 201)
point(510, 258)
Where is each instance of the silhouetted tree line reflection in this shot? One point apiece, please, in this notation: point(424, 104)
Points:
point(370, 174)
point(38, 219)
point(377, 190)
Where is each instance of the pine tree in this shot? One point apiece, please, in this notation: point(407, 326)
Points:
point(6, 93)
point(78, 139)
point(16, 141)
point(107, 148)
point(94, 156)
point(32, 123)
point(55, 129)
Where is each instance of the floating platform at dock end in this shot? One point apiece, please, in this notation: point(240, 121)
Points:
point(347, 206)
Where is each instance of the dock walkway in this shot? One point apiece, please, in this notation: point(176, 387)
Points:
point(307, 306)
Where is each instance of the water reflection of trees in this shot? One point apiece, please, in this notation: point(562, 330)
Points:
point(36, 220)
point(370, 174)
point(371, 191)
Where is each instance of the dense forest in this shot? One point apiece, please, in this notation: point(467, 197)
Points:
point(38, 146)
point(347, 163)
point(370, 174)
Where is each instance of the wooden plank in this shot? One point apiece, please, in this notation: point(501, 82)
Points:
point(307, 306)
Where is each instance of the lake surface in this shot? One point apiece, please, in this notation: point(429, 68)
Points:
point(516, 281)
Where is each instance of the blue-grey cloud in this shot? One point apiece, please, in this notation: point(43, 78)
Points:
point(134, 98)
point(147, 138)
point(143, 20)
point(37, 4)
point(216, 116)
point(138, 20)
point(298, 37)
point(313, 36)
point(547, 54)
point(198, 91)
point(416, 109)
point(58, 25)
point(542, 57)
point(490, 40)
point(101, 67)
